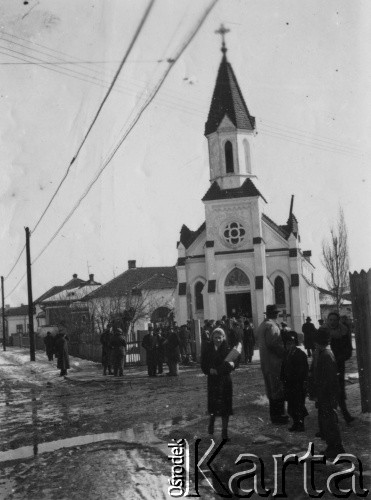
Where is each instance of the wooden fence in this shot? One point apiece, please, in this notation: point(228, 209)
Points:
point(87, 345)
point(360, 285)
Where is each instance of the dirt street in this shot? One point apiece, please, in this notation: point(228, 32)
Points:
point(89, 436)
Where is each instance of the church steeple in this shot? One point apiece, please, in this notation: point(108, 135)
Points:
point(228, 101)
point(229, 128)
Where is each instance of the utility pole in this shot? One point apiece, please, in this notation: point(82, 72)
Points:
point(3, 312)
point(30, 301)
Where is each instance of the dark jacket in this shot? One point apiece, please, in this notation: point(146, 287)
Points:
point(294, 372)
point(326, 382)
point(172, 346)
point(309, 331)
point(61, 351)
point(219, 387)
point(118, 345)
point(49, 342)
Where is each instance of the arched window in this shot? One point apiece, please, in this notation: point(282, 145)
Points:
point(228, 149)
point(279, 291)
point(199, 299)
point(246, 146)
point(236, 278)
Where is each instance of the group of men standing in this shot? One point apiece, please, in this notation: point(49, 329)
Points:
point(113, 351)
point(58, 345)
point(171, 346)
point(287, 377)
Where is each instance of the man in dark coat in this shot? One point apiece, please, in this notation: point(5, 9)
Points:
point(272, 353)
point(172, 346)
point(151, 344)
point(118, 352)
point(61, 352)
point(161, 351)
point(248, 341)
point(294, 376)
point(49, 345)
point(309, 331)
point(341, 346)
point(184, 341)
point(105, 340)
point(326, 388)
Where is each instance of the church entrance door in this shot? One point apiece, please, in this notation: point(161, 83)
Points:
point(238, 304)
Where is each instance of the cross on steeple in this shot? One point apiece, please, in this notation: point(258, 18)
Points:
point(222, 31)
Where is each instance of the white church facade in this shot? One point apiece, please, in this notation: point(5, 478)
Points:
point(239, 260)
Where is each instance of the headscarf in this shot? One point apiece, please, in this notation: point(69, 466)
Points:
point(220, 331)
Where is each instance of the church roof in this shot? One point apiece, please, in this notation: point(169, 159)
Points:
point(187, 237)
point(247, 190)
point(228, 100)
point(281, 230)
point(138, 278)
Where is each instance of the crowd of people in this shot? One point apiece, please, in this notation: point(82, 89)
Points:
point(171, 345)
point(58, 346)
point(288, 376)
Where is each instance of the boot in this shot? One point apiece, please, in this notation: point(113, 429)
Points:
point(210, 428)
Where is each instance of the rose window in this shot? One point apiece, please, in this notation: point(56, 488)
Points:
point(234, 233)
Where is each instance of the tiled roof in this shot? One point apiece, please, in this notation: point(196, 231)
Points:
point(74, 283)
point(187, 237)
point(228, 100)
point(17, 311)
point(247, 189)
point(279, 229)
point(49, 293)
point(143, 278)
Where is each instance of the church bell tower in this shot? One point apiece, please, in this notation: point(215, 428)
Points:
point(230, 129)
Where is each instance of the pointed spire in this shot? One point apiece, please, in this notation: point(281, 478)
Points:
point(227, 98)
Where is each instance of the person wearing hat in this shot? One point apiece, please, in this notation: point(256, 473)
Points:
point(309, 331)
point(118, 351)
point(294, 376)
point(272, 353)
point(150, 343)
point(219, 381)
point(326, 390)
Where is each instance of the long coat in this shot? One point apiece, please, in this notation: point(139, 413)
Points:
point(151, 344)
point(61, 351)
point(219, 387)
point(105, 340)
point(272, 353)
point(172, 344)
point(309, 331)
point(326, 382)
point(294, 376)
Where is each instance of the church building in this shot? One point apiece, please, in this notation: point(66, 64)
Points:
point(239, 260)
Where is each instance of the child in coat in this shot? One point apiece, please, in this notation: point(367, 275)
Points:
point(294, 376)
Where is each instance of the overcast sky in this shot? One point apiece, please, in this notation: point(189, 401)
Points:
point(305, 74)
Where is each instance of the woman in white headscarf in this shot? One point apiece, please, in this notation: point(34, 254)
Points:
point(219, 381)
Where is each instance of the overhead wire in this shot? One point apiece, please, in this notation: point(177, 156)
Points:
point(135, 120)
point(127, 53)
point(313, 137)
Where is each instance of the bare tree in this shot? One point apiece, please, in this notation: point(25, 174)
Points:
point(125, 310)
point(335, 259)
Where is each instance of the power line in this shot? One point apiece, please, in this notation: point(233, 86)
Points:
point(56, 63)
point(296, 140)
point(308, 136)
point(16, 262)
point(136, 34)
point(135, 120)
point(134, 39)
